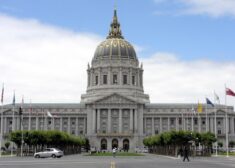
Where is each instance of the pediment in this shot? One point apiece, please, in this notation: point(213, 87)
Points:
point(9, 112)
point(220, 112)
point(115, 99)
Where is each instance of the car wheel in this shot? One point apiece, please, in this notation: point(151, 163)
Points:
point(53, 156)
point(37, 156)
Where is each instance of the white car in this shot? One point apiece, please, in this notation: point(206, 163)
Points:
point(232, 150)
point(49, 152)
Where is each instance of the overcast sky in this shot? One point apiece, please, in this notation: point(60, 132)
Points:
point(186, 46)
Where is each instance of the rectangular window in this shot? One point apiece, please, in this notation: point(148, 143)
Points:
point(172, 121)
point(195, 121)
point(180, 121)
point(124, 79)
point(133, 80)
point(114, 79)
point(96, 80)
point(105, 79)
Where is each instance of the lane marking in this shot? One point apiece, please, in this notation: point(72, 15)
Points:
point(113, 165)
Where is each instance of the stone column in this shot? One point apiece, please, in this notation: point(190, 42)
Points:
point(98, 121)
point(109, 120)
point(37, 118)
point(69, 125)
point(232, 126)
point(109, 78)
point(136, 121)
point(177, 123)
point(224, 123)
point(192, 123)
point(91, 81)
point(53, 123)
point(153, 126)
point(94, 121)
point(29, 127)
point(61, 123)
point(131, 121)
point(5, 125)
point(168, 123)
point(120, 120)
point(130, 76)
point(137, 78)
point(199, 125)
point(76, 126)
point(160, 124)
point(99, 77)
point(144, 125)
point(120, 76)
point(45, 123)
point(85, 126)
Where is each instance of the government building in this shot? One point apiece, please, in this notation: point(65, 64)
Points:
point(115, 111)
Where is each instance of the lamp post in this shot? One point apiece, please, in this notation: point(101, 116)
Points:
point(21, 128)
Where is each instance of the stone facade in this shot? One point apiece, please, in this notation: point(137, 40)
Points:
point(115, 111)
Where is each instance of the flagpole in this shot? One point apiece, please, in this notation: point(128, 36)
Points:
point(1, 120)
point(21, 126)
point(226, 121)
point(30, 111)
point(13, 121)
point(1, 129)
point(206, 119)
point(192, 119)
point(215, 122)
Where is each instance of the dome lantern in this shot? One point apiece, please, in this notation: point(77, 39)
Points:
point(115, 29)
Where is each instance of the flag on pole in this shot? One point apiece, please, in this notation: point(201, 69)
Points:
point(217, 98)
point(229, 92)
point(193, 111)
point(14, 100)
point(49, 114)
point(22, 101)
point(199, 108)
point(209, 102)
point(2, 94)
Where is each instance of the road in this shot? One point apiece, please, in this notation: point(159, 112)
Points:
point(148, 161)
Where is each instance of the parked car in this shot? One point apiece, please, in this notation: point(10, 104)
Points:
point(49, 152)
point(232, 150)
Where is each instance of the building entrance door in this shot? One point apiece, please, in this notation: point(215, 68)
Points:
point(126, 145)
point(103, 144)
point(114, 143)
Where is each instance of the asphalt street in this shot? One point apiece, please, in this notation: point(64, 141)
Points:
point(148, 161)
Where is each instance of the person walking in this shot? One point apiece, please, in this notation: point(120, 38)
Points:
point(114, 152)
point(186, 153)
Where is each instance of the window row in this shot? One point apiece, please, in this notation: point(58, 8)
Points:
point(115, 79)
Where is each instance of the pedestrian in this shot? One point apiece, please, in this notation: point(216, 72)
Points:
point(114, 152)
point(186, 153)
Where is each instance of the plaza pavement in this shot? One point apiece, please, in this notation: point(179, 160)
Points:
point(147, 161)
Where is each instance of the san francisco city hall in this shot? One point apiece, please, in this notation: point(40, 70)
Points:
point(115, 111)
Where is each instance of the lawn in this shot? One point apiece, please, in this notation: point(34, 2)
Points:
point(117, 154)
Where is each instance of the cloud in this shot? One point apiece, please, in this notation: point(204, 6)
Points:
point(43, 62)
point(48, 64)
point(214, 8)
point(169, 79)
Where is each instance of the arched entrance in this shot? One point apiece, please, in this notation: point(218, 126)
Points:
point(103, 144)
point(114, 143)
point(126, 145)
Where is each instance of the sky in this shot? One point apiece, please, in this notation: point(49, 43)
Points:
point(187, 47)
